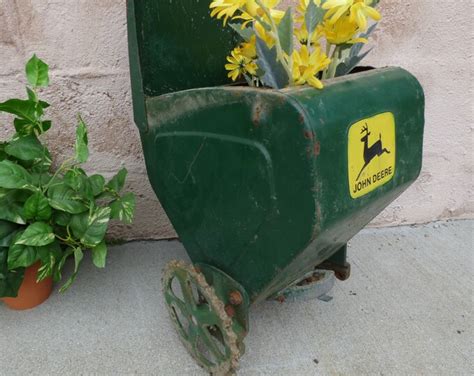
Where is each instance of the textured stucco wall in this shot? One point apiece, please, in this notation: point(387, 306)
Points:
point(84, 41)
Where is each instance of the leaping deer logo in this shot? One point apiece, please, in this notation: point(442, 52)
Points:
point(376, 150)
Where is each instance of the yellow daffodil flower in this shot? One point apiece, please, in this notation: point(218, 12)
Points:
point(306, 66)
point(249, 9)
point(342, 32)
point(249, 49)
point(240, 65)
point(225, 8)
point(253, 9)
point(359, 11)
point(302, 35)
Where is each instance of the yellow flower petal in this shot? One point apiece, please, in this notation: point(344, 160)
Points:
point(314, 82)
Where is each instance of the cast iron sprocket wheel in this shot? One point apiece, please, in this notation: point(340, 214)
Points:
point(200, 319)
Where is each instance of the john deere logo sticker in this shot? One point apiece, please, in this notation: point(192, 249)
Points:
point(371, 154)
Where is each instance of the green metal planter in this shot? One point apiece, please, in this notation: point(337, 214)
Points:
point(262, 186)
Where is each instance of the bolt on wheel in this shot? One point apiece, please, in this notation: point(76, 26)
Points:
point(200, 319)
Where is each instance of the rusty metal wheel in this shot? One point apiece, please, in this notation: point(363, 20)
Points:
point(200, 319)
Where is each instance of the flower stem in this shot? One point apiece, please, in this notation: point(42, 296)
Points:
point(279, 49)
point(335, 60)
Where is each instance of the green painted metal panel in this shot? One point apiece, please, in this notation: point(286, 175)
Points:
point(222, 161)
point(178, 45)
point(139, 108)
point(330, 114)
point(255, 181)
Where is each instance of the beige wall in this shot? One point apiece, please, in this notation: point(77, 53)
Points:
point(85, 43)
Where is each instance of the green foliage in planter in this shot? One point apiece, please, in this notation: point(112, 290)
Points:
point(46, 215)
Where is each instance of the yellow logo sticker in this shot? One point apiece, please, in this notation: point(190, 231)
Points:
point(371, 153)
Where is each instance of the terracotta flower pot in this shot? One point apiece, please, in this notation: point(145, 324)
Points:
point(31, 294)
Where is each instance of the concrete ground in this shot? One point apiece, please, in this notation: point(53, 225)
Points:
point(407, 310)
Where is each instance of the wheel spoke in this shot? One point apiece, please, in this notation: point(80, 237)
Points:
point(205, 316)
point(210, 343)
point(193, 335)
point(173, 300)
point(187, 290)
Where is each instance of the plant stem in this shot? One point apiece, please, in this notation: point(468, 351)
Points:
point(335, 59)
point(58, 171)
point(328, 48)
point(274, 34)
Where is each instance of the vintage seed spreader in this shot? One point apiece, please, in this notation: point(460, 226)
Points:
point(262, 186)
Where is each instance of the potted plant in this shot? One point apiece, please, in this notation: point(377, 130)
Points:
point(49, 214)
point(330, 37)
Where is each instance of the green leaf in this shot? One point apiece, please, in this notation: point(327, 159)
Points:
point(45, 252)
point(26, 148)
point(40, 171)
point(97, 183)
point(24, 109)
point(357, 47)
point(63, 198)
point(90, 228)
point(37, 234)
point(263, 23)
point(31, 95)
point(285, 32)
point(11, 204)
point(275, 75)
point(10, 280)
point(246, 33)
point(3, 155)
point(123, 208)
point(23, 127)
point(37, 72)
point(117, 183)
point(50, 256)
point(78, 256)
point(57, 272)
point(99, 255)
point(6, 228)
point(21, 256)
point(82, 150)
point(45, 270)
point(40, 178)
point(314, 16)
point(73, 179)
point(77, 179)
point(12, 212)
point(7, 240)
point(350, 63)
point(37, 207)
point(13, 176)
point(7, 231)
point(46, 125)
point(61, 218)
